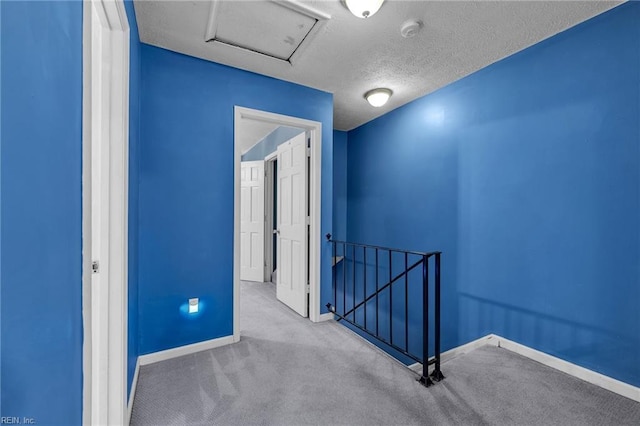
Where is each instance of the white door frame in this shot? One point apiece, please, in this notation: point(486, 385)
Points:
point(105, 155)
point(315, 130)
point(269, 202)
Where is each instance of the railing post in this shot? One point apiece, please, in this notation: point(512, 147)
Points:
point(425, 379)
point(437, 374)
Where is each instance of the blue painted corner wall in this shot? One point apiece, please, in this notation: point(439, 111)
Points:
point(526, 175)
point(41, 211)
point(339, 185)
point(134, 166)
point(186, 189)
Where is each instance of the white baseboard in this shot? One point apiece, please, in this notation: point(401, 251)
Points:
point(185, 350)
point(325, 317)
point(590, 376)
point(569, 368)
point(457, 351)
point(132, 394)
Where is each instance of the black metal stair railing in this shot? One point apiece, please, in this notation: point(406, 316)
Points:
point(353, 309)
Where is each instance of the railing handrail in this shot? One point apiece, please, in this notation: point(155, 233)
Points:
point(418, 253)
point(426, 378)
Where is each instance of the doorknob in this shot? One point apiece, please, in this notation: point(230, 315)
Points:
point(276, 231)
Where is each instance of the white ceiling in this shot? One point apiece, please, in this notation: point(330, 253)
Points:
point(251, 132)
point(348, 56)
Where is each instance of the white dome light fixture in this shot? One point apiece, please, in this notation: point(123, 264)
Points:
point(378, 97)
point(410, 28)
point(363, 8)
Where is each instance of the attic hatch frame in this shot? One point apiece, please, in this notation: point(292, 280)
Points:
point(319, 17)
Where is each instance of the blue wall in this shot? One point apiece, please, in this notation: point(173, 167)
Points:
point(134, 159)
point(270, 143)
point(186, 189)
point(41, 219)
point(339, 185)
point(526, 175)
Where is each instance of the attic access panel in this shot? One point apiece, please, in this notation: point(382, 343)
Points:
point(277, 29)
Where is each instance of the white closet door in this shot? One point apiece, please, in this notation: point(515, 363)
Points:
point(252, 221)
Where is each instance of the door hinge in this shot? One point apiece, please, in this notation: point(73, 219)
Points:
point(308, 152)
point(308, 220)
point(95, 267)
point(308, 288)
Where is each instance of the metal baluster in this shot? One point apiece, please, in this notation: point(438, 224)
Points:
point(390, 299)
point(406, 301)
point(344, 278)
point(377, 293)
point(364, 277)
point(353, 294)
point(334, 273)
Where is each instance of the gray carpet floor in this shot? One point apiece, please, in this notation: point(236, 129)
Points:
point(289, 371)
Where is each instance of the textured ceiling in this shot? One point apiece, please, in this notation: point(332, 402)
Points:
point(349, 56)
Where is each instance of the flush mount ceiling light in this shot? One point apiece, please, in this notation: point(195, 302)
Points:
point(378, 97)
point(363, 8)
point(410, 28)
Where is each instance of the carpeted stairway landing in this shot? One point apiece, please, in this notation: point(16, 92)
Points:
point(289, 371)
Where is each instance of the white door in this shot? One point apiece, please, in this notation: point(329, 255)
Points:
point(292, 224)
point(252, 221)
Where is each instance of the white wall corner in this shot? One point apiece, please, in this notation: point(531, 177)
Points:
point(325, 317)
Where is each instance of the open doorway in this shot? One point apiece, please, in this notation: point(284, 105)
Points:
point(259, 195)
point(279, 186)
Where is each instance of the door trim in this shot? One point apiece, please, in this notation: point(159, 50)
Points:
point(315, 130)
point(105, 153)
